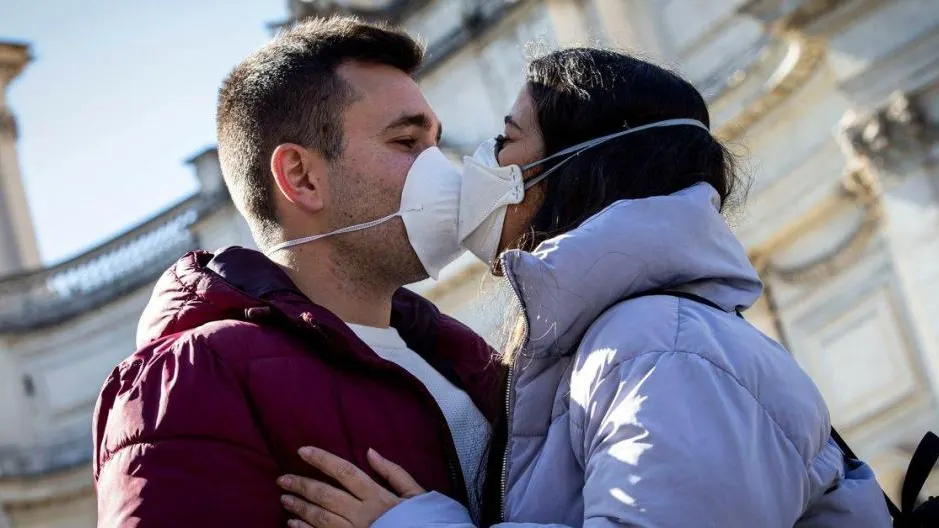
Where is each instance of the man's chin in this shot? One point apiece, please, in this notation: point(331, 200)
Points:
point(413, 272)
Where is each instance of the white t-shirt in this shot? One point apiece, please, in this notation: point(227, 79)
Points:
point(468, 427)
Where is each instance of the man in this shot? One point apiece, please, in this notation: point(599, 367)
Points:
point(243, 359)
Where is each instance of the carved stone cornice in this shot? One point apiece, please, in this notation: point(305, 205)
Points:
point(892, 138)
point(859, 188)
point(14, 56)
point(789, 15)
point(843, 256)
point(792, 75)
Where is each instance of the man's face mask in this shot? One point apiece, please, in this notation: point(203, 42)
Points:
point(488, 189)
point(430, 206)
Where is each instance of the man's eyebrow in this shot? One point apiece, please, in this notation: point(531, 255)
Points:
point(420, 120)
point(512, 123)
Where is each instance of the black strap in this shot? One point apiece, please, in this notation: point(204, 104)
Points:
point(923, 461)
point(685, 295)
point(849, 455)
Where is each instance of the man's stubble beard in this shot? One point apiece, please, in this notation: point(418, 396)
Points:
point(379, 257)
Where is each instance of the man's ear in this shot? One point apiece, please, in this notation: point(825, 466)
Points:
point(300, 175)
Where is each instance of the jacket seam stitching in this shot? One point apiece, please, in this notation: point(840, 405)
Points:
point(112, 453)
point(190, 290)
point(192, 294)
point(615, 368)
point(176, 313)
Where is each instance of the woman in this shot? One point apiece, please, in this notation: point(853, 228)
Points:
point(637, 395)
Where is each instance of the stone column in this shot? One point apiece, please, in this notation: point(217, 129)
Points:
point(18, 248)
point(208, 171)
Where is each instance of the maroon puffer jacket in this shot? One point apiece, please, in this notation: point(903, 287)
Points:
point(236, 370)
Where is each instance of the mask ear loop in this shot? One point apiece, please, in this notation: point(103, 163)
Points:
point(575, 150)
point(534, 181)
point(350, 229)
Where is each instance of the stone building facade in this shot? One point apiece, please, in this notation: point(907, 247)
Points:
point(835, 103)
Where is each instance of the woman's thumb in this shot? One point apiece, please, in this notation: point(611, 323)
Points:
point(400, 480)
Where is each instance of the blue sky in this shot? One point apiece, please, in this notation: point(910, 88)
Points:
point(119, 95)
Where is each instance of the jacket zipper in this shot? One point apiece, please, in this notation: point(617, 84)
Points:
point(505, 453)
point(509, 392)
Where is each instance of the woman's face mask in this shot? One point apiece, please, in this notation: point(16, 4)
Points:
point(487, 188)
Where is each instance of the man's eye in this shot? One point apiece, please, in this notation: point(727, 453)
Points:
point(409, 143)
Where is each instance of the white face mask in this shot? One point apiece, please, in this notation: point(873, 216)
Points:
point(489, 189)
point(430, 204)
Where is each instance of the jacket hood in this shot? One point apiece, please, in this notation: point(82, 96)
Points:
point(678, 242)
point(202, 287)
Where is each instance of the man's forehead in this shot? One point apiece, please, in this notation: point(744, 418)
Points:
point(385, 97)
point(371, 75)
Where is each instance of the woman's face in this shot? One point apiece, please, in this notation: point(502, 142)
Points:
point(521, 143)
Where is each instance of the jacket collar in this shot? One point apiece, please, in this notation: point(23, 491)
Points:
point(679, 242)
point(251, 272)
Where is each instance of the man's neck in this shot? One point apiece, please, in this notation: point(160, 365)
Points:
point(354, 297)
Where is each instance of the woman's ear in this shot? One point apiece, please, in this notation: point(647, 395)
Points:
point(300, 176)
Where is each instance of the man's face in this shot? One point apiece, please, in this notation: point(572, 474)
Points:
point(385, 128)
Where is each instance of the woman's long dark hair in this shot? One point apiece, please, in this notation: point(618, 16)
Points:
point(584, 93)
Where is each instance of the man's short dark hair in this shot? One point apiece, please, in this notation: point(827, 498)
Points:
point(289, 92)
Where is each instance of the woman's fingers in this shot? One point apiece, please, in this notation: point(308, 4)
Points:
point(329, 507)
point(401, 481)
point(313, 515)
point(321, 494)
point(344, 472)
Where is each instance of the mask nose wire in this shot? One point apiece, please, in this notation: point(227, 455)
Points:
point(575, 150)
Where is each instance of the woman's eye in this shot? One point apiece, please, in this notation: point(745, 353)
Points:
point(500, 142)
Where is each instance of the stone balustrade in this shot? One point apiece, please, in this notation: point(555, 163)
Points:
point(51, 295)
point(47, 458)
